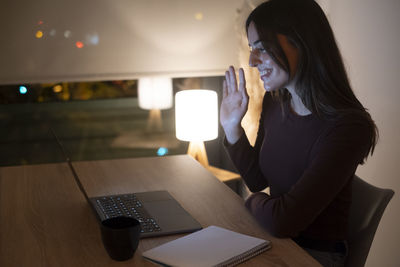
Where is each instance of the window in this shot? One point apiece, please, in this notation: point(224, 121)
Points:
point(93, 120)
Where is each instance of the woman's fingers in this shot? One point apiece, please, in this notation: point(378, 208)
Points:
point(232, 77)
point(242, 84)
point(228, 81)
point(231, 81)
point(224, 89)
point(242, 80)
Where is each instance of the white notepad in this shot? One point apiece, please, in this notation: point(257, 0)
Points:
point(212, 246)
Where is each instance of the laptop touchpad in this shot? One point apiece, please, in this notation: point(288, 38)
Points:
point(169, 214)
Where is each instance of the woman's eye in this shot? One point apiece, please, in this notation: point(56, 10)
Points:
point(258, 49)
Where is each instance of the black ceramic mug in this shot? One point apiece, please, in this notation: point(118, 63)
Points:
point(120, 236)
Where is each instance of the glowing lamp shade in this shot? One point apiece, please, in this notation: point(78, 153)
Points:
point(196, 115)
point(155, 93)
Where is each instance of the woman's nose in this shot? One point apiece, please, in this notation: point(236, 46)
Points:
point(254, 59)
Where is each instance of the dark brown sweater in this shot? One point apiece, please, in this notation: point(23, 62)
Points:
point(308, 163)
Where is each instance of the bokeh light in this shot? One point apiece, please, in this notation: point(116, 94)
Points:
point(57, 88)
point(162, 151)
point(23, 90)
point(67, 34)
point(92, 39)
point(198, 16)
point(39, 34)
point(79, 44)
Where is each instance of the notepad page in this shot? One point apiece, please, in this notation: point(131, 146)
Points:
point(207, 247)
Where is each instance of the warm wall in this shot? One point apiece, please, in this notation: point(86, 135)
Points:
point(369, 37)
point(91, 40)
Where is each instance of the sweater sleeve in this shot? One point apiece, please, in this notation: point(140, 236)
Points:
point(246, 158)
point(334, 160)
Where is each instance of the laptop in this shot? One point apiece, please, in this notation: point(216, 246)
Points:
point(157, 211)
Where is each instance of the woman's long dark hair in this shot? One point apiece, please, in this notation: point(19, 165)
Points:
point(320, 80)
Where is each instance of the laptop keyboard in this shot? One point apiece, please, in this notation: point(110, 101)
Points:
point(127, 205)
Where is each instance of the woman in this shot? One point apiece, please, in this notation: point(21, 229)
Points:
point(313, 131)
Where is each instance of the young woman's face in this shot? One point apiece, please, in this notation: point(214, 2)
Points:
point(273, 76)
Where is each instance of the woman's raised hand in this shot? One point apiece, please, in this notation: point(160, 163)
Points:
point(234, 104)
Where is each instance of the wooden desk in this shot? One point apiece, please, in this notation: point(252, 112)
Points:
point(45, 220)
point(223, 175)
point(231, 179)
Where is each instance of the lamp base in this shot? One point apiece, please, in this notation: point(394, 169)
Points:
point(154, 121)
point(197, 150)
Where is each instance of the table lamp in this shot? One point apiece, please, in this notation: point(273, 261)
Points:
point(196, 120)
point(155, 94)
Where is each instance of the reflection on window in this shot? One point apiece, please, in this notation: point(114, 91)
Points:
point(67, 91)
point(93, 120)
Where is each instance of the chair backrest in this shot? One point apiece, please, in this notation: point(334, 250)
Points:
point(368, 204)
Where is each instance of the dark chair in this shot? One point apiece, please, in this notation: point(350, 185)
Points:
point(368, 204)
